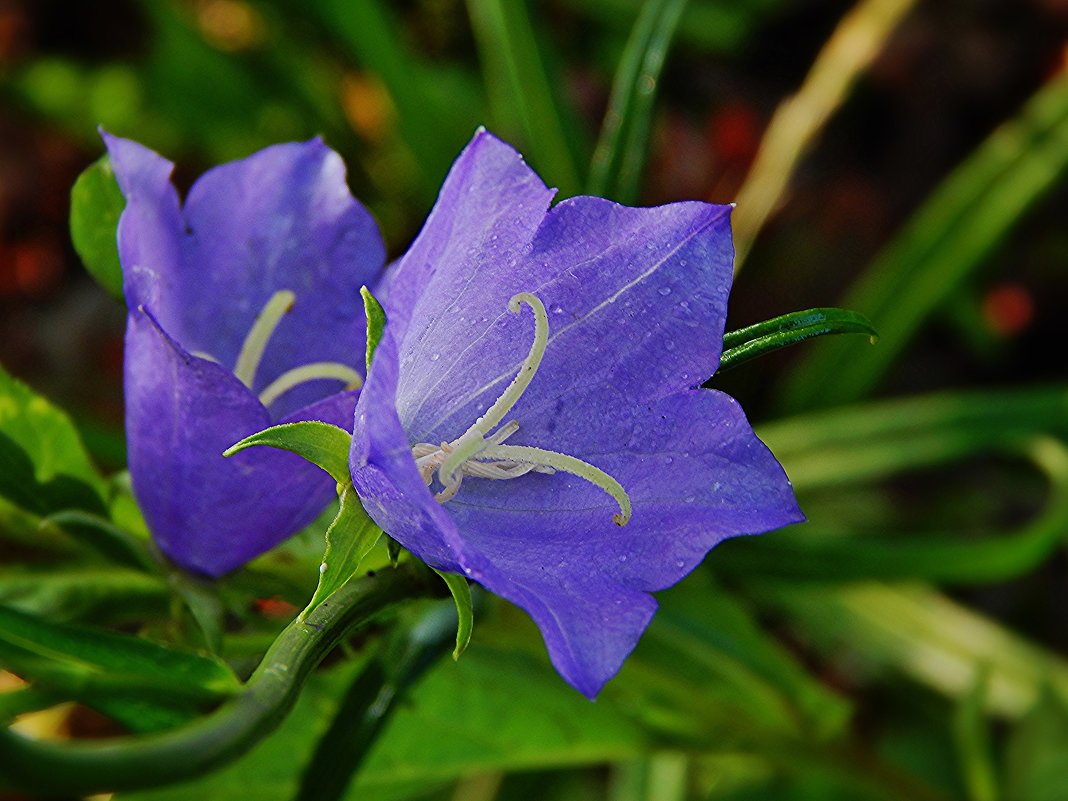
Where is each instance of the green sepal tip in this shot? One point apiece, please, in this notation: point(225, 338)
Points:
point(461, 595)
point(376, 322)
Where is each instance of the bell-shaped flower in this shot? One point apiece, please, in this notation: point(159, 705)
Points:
point(532, 420)
point(243, 311)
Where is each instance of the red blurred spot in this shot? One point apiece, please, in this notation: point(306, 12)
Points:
point(735, 133)
point(275, 608)
point(38, 266)
point(1008, 309)
point(29, 268)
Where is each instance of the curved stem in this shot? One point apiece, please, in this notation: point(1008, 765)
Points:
point(129, 763)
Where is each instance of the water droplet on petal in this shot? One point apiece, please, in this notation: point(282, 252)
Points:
point(689, 499)
point(435, 356)
point(664, 290)
point(623, 558)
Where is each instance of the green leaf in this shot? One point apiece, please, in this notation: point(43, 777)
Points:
point(90, 594)
point(379, 690)
point(142, 684)
point(35, 432)
point(349, 539)
point(972, 737)
point(923, 634)
point(96, 202)
point(1036, 766)
point(948, 239)
point(20, 701)
point(706, 648)
point(376, 323)
point(849, 446)
point(201, 598)
point(20, 486)
point(322, 444)
point(516, 68)
point(461, 596)
point(101, 535)
point(759, 339)
point(846, 448)
point(619, 158)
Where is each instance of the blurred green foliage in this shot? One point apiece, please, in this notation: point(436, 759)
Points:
point(898, 645)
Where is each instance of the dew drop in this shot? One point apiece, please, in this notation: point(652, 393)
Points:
point(680, 563)
point(664, 290)
point(322, 567)
point(669, 344)
point(435, 356)
point(668, 460)
point(689, 499)
point(623, 558)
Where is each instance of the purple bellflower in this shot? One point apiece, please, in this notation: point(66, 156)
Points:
point(244, 311)
point(530, 419)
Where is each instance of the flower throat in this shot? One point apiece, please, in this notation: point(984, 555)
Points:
point(255, 344)
point(479, 454)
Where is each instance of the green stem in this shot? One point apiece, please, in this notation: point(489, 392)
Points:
point(129, 763)
point(370, 703)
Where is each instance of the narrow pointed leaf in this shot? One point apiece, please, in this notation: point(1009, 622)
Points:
point(756, 340)
point(322, 444)
point(349, 539)
point(461, 594)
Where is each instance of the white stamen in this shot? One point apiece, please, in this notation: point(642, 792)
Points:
point(472, 440)
point(475, 454)
point(539, 457)
point(248, 360)
point(310, 372)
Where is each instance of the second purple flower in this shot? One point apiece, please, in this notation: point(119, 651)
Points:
point(244, 311)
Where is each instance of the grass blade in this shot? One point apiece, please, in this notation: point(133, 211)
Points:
point(517, 74)
point(619, 157)
point(797, 123)
point(969, 215)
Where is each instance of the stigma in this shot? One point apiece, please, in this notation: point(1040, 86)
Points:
point(478, 453)
point(255, 345)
